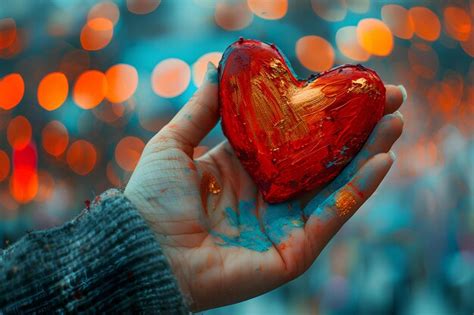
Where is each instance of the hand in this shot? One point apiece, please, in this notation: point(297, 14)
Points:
point(223, 242)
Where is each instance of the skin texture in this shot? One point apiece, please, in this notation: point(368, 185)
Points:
point(223, 242)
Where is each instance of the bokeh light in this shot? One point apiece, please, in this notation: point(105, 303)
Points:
point(458, 23)
point(19, 132)
point(426, 23)
point(347, 43)
point(90, 89)
point(315, 53)
point(232, 16)
point(375, 37)
point(330, 10)
point(4, 165)
point(200, 66)
point(170, 77)
point(46, 185)
point(423, 60)
point(128, 151)
point(358, 6)
point(97, 33)
point(81, 157)
point(142, 6)
point(398, 19)
point(55, 138)
point(7, 32)
point(53, 90)
point(107, 10)
point(122, 81)
point(270, 10)
point(24, 180)
point(12, 89)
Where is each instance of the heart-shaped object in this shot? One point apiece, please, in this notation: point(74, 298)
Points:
point(294, 135)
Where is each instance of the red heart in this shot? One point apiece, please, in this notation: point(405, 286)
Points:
point(294, 135)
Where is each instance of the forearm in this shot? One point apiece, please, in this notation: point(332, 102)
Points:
point(106, 259)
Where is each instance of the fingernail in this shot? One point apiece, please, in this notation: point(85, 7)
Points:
point(392, 155)
point(404, 92)
point(211, 73)
point(399, 114)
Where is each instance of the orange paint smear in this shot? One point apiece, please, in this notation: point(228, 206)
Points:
point(345, 203)
point(209, 185)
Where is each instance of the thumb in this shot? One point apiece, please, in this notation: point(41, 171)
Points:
point(194, 121)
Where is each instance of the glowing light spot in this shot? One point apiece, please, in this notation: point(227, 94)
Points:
point(45, 187)
point(346, 40)
point(112, 176)
point(142, 6)
point(468, 45)
point(427, 25)
point(81, 157)
point(270, 10)
point(200, 66)
point(315, 53)
point(128, 152)
point(53, 90)
point(232, 16)
point(96, 34)
point(122, 81)
point(4, 165)
point(19, 132)
point(457, 22)
point(55, 138)
point(24, 180)
point(7, 32)
point(330, 10)
point(12, 89)
point(107, 10)
point(375, 37)
point(90, 89)
point(358, 6)
point(170, 77)
point(398, 20)
point(423, 60)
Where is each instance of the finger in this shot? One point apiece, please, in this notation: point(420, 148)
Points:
point(384, 135)
point(329, 216)
point(394, 97)
point(194, 121)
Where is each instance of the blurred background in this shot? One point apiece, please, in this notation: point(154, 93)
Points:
point(85, 83)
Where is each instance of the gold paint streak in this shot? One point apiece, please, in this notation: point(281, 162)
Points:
point(345, 203)
point(360, 86)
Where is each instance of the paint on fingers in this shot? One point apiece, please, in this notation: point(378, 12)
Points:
point(345, 203)
point(209, 186)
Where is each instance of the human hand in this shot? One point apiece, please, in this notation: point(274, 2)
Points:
point(223, 242)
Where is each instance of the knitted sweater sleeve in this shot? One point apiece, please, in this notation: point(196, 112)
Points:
point(106, 259)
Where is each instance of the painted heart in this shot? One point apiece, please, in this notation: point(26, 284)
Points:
point(294, 135)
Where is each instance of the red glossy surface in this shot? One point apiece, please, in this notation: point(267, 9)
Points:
point(294, 135)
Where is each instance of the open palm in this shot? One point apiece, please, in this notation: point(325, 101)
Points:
point(223, 242)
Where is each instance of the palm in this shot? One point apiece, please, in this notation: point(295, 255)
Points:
point(223, 242)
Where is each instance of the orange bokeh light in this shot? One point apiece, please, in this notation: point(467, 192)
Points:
point(398, 20)
point(7, 32)
point(142, 6)
point(97, 33)
point(423, 60)
point(330, 10)
point(200, 66)
point(232, 16)
point(270, 10)
point(315, 53)
point(24, 179)
point(170, 77)
point(346, 40)
point(426, 23)
point(4, 165)
point(112, 176)
point(90, 89)
point(122, 81)
point(55, 138)
point(375, 37)
point(468, 45)
point(457, 22)
point(19, 132)
point(81, 157)
point(107, 10)
point(128, 151)
point(53, 90)
point(45, 187)
point(12, 89)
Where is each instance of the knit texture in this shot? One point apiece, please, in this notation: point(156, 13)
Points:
point(105, 260)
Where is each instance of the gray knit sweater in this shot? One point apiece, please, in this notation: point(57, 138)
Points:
point(105, 260)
